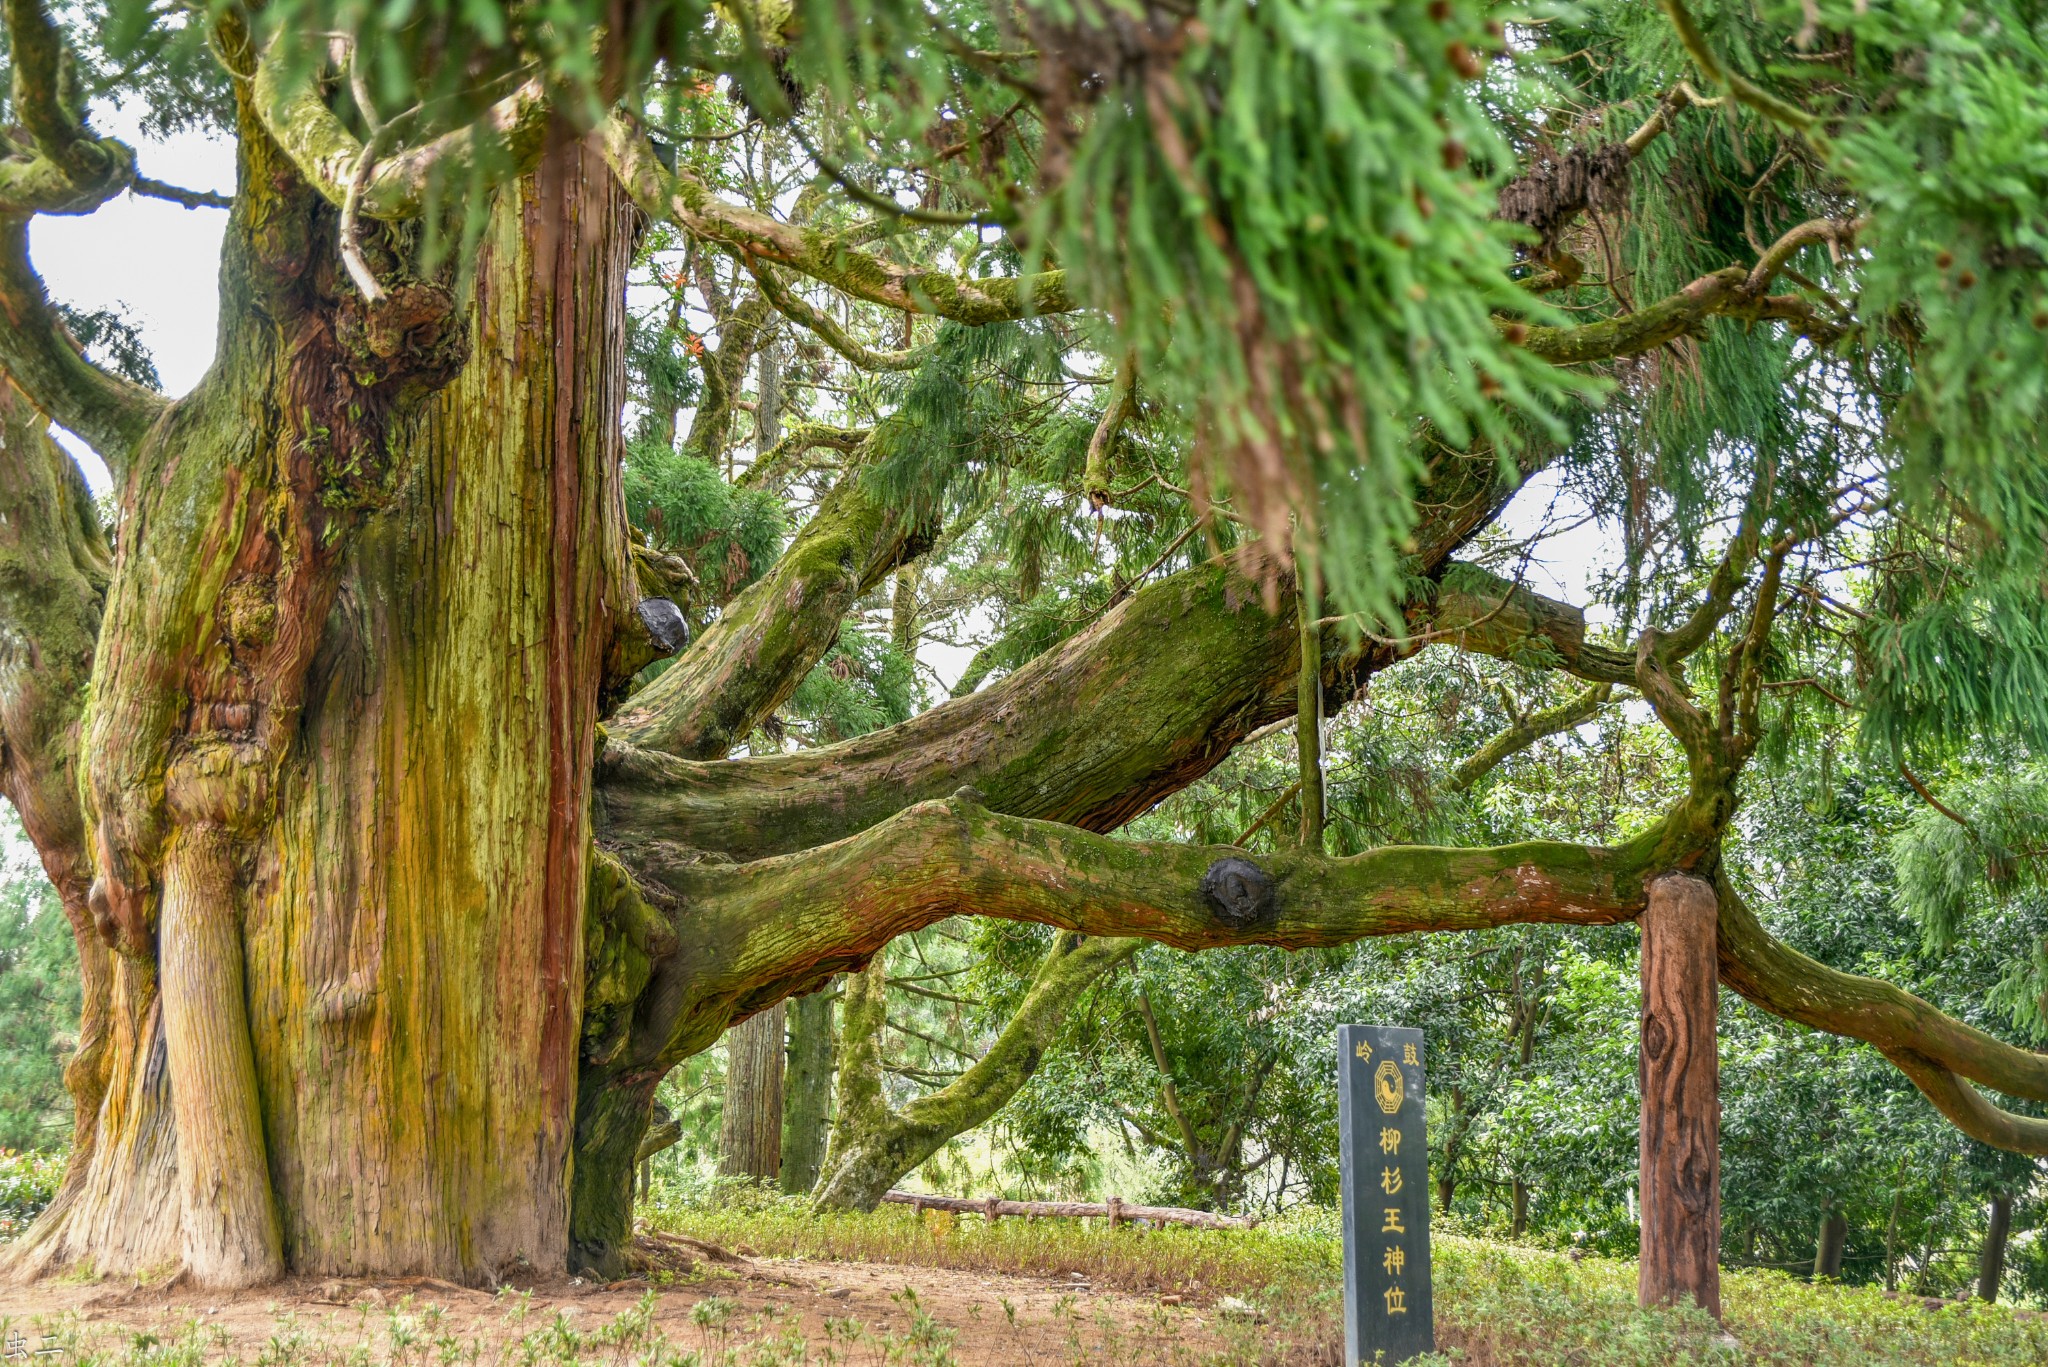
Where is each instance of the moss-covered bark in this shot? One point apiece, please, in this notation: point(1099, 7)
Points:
point(746, 664)
point(1092, 732)
point(807, 1091)
point(873, 1147)
point(338, 752)
point(54, 568)
point(1939, 1053)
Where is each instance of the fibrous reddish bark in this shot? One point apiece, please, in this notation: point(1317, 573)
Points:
point(1680, 1136)
point(750, 1126)
point(390, 803)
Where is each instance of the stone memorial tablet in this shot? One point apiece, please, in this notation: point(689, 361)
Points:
point(1384, 1155)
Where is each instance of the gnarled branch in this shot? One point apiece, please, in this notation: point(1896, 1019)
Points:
point(329, 156)
point(747, 663)
point(1935, 1050)
point(682, 198)
point(112, 414)
point(758, 931)
point(792, 306)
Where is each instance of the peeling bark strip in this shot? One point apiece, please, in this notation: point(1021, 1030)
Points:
point(1679, 1075)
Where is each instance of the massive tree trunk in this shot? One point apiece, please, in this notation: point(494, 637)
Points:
point(338, 756)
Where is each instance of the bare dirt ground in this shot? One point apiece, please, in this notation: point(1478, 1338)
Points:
point(734, 1309)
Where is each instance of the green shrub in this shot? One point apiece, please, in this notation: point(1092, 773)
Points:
point(28, 1182)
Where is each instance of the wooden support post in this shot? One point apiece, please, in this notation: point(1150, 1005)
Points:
point(1679, 1075)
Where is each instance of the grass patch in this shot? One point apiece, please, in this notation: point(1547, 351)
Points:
point(1495, 1303)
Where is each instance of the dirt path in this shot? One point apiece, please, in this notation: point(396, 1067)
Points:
point(766, 1311)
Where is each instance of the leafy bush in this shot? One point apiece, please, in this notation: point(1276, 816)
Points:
point(28, 1182)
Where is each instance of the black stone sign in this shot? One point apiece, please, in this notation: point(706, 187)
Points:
point(1388, 1315)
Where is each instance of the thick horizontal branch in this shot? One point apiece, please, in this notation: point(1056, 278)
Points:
point(762, 929)
point(683, 199)
point(1097, 729)
point(1092, 732)
point(1968, 1110)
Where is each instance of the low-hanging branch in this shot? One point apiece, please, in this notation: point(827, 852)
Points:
point(780, 920)
point(1935, 1050)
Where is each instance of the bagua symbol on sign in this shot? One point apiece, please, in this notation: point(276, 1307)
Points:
point(1388, 1312)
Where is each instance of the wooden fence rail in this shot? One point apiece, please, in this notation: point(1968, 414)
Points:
point(1115, 1210)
